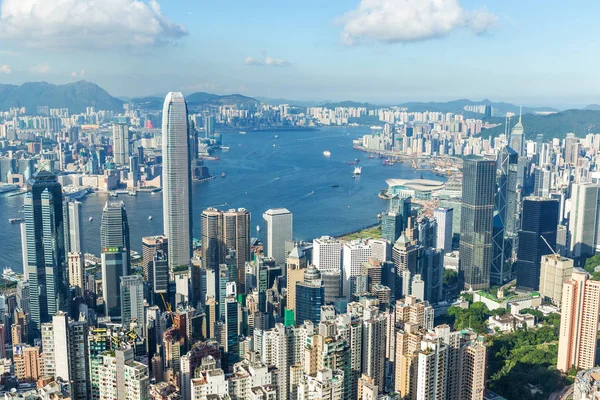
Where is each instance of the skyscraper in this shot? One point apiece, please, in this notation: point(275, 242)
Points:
point(132, 301)
point(477, 212)
point(577, 337)
point(391, 226)
point(177, 205)
point(536, 238)
point(327, 254)
point(517, 138)
point(212, 234)
point(73, 227)
point(555, 271)
point(310, 296)
point(114, 241)
point(444, 216)
point(582, 218)
point(278, 229)
point(121, 142)
point(46, 257)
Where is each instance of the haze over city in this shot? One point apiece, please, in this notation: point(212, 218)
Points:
point(380, 51)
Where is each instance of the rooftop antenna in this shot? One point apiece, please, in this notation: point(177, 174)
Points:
point(520, 112)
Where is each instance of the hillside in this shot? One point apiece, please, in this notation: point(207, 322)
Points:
point(75, 96)
point(580, 122)
point(197, 100)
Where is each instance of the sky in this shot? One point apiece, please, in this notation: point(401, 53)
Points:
point(529, 52)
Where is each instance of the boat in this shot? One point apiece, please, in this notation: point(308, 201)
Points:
point(217, 158)
point(242, 132)
point(91, 219)
point(15, 220)
point(371, 156)
point(75, 192)
point(327, 153)
point(313, 192)
point(113, 194)
point(132, 193)
point(276, 136)
point(225, 148)
point(297, 140)
point(376, 127)
point(223, 174)
point(357, 160)
point(257, 228)
point(274, 145)
point(357, 171)
point(335, 185)
point(149, 217)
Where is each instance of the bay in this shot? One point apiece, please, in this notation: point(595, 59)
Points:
point(262, 172)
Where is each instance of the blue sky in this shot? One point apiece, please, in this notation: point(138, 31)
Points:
point(383, 51)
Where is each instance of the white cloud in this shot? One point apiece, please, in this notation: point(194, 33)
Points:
point(86, 24)
point(267, 60)
point(395, 21)
point(42, 69)
point(78, 75)
point(5, 69)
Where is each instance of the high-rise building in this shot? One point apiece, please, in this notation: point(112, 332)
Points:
point(555, 271)
point(132, 301)
point(121, 141)
point(405, 255)
point(278, 230)
point(517, 138)
point(477, 214)
point(150, 245)
point(310, 296)
point(223, 232)
point(582, 219)
point(177, 182)
point(46, 256)
point(580, 308)
point(27, 363)
point(115, 245)
point(327, 254)
point(444, 217)
point(232, 325)
point(73, 227)
point(373, 348)
point(236, 236)
point(354, 254)
point(76, 267)
point(391, 226)
point(325, 384)
point(536, 238)
point(121, 377)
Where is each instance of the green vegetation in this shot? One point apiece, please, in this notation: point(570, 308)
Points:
point(474, 317)
point(525, 356)
point(590, 264)
point(373, 232)
point(450, 277)
point(180, 268)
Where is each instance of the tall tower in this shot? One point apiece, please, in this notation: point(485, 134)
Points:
point(517, 138)
point(477, 213)
point(121, 142)
point(236, 235)
point(582, 218)
point(46, 257)
point(73, 227)
point(443, 217)
point(114, 241)
point(177, 193)
point(537, 235)
point(278, 229)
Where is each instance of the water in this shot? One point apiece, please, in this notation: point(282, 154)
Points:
point(259, 177)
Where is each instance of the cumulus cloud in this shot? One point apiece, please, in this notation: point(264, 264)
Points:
point(42, 69)
point(78, 75)
point(87, 24)
point(5, 69)
point(267, 60)
point(396, 21)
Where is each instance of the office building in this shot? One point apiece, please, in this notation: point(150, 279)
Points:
point(373, 348)
point(177, 181)
point(536, 238)
point(405, 255)
point(443, 217)
point(232, 325)
point(121, 141)
point(73, 227)
point(555, 271)
point(76, 268)
point(278, 230)
point(517, 138)
point(578, 334)
point(582, 219)
point(115, 255)
point(477, 212)
point(354, 254)
point(391, 226)
point(212, 234)
point(310, 296)
point(150, 245)
point(132, 301)
point(236, 236)
point(327, 254)
point(46, 256)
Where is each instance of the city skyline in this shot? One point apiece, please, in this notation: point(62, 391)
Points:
point(400, 62)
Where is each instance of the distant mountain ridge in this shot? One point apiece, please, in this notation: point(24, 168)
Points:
point(75, 96)
point(198, 99)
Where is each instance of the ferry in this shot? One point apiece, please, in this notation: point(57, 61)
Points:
point(242, 132)
point(91, 219)
point(75, 192)
point(150, 218)
point(276, 136)
point(15, 220)
point(327, 153)
point(376, 127)
point(357, 171)
point(225, 148)
point(132, 193)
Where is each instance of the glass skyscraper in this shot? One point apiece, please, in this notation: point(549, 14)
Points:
point(540, 219)
point(114, 241)
point(177, 208)
point(477, 213)
point(45, 248)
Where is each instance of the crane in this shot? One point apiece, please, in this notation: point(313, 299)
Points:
point(168, 308)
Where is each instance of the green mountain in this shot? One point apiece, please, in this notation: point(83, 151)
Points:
point(557, 125)
point(197, 100)
point(75, 96)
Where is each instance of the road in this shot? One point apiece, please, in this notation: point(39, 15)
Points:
point(566, 393)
